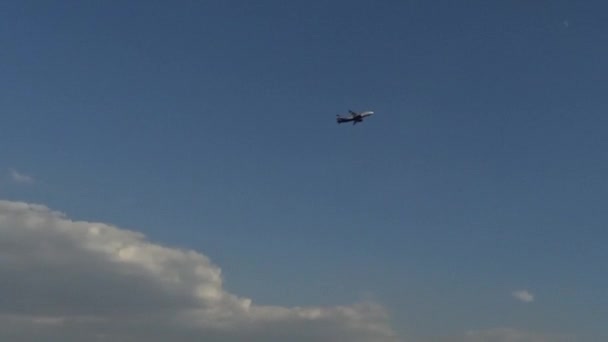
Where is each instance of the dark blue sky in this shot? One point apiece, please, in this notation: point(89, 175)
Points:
point(211, 125)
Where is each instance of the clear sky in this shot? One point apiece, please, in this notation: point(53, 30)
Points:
point(210, 125)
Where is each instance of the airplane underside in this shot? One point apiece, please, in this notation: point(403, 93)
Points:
point(354, 121)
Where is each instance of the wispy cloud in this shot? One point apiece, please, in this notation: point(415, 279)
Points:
point(19, 177)
point(524, 296)
point(504, 335)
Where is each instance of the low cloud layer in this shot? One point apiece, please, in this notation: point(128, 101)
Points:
point(65, 280)
point(505, 335)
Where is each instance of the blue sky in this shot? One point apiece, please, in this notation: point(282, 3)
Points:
point(211, 126)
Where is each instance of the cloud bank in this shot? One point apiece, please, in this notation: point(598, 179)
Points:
point(66, 280)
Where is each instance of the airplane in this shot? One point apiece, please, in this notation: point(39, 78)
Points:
point(354, 117)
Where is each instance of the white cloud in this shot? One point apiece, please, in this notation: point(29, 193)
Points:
point(524, 296)
point(18, 177)
point(63, 280)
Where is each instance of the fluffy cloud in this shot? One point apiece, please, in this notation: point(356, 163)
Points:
point(70, 280)
point(524, 296)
